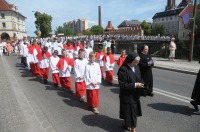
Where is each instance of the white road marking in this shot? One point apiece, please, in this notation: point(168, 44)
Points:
point(168, 94)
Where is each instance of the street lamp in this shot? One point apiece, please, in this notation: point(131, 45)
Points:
point(193, 32)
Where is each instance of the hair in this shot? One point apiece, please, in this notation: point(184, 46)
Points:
point(108, 48)
point(55, 51)
point(123, 50)
point(63, 50)
point(81, 51)
point(45, 48)
point(142, 48)
point(92, 54)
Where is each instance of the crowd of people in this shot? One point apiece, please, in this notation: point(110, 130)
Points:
point(63, 58)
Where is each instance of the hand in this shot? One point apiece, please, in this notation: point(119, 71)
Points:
point(139, 85)
point(94, 84)
point(81, 77)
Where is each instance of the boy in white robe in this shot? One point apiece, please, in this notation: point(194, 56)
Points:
point(88, 49)
point(93, 81)
point(55, 73)
point(79, 69)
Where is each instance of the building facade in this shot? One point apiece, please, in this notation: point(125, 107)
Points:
point(78, 26)
point(125, 28)
point(12, 23)
point(172, 19)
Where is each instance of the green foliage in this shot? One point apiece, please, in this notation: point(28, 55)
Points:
point(87, 32)
point(97, 30)
point(43, 23)
point(79, 34)
point(67, 31)
point(158, 29)
point(146, 27)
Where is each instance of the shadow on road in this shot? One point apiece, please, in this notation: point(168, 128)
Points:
point(104, 122)
point(185, 110)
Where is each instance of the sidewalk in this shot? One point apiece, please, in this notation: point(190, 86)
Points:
point(182, 66)
point(18, 113)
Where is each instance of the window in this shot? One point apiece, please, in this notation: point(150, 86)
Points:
point(18, 19)
point(166, 18)
point(183, 34)
point(3, 25)
point(2, 16)
point(170, 18)
point(162, 19)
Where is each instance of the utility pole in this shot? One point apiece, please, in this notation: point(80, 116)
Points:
point(193, 32)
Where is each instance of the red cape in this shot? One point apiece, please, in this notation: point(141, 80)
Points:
point(112, 60)
point(121, 60)
point(31, 48)
point(69, 47)
point(60, 64)
point(75, 47)
point(97, 56)
point(41, 53)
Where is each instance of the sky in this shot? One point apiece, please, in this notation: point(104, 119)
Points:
point(115, 11)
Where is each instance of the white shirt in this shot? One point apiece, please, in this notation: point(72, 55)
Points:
point(79, 68)
point(44, 63)
point(100, 61)
point(33, 57)
point(87, 52)
point(1, 47)
point(48, 44)
point(107, 64)
point(24, 50)
point(92, 75)
point(58, 47)
point(53, 62)
point(66, 71)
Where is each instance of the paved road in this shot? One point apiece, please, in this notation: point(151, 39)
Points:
point(165, 112)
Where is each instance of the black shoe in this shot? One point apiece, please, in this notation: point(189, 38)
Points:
point(55, 85)
point(195, 105)
point(45, 81)
point(150, 94)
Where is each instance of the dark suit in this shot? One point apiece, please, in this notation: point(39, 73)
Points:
point(196, 91)
point(129, 96)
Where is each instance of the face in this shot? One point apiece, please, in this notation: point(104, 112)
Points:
point(134, 62)
point(81, 55)
point(146, 49)
point(109, 51)
point(92, 59)
point(64, 53)
point(100, 50)
point(123, 53)
point(87, 44)
point(55, 54)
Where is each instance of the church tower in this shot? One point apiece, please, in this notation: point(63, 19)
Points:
point(171, 4)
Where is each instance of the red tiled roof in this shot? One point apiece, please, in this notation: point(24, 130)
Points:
point(5, 6)
point(188, 9)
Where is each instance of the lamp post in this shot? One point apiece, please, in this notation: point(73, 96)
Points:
point(193, 32)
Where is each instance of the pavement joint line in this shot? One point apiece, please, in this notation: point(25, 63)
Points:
point(168, 94)
point(180, 96)
point(22, 100)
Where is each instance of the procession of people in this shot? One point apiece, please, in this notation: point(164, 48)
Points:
point(60, 58)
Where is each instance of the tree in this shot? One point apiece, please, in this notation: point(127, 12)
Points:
point(146, 27)
point(43, 24)
point(96, 30)
point(158, 29)
point(66, 30)
point(87, 32)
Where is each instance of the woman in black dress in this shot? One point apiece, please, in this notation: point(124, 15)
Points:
point(130, 83)
point(146, 63)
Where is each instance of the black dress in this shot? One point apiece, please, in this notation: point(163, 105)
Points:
point(196, 91)
point(146, 70)
point(129, 96)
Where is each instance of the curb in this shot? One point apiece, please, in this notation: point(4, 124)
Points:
point(176, 70)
